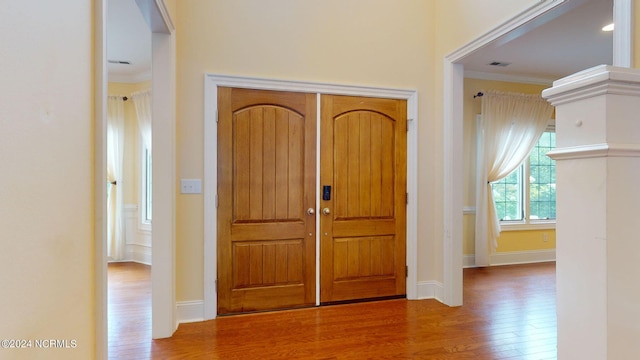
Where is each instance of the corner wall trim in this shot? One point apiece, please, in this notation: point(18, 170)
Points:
point(430, 290)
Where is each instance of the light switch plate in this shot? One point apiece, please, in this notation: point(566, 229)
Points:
point(191, 186)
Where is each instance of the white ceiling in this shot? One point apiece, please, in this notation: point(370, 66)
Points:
point(567, 40)
point(128, 39)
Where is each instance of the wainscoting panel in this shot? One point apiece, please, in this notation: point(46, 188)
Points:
point(137, 239)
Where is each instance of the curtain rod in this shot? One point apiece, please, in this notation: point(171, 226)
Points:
point(124, 98)
point(478, 94)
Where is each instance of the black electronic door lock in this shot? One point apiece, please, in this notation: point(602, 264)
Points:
point(326, 192)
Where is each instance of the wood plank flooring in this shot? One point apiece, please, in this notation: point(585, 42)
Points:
point(129, 311)
point(509, 313)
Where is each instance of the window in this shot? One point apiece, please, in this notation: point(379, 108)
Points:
point(528, 194)
point(146, 198)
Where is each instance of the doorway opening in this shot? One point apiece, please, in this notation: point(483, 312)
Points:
point(157, 19)
point(457, 65)
point(129, 177)
point(212, 85)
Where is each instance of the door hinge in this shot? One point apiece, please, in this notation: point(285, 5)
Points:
point(407, 198)
point(216, 285)
point(216, 116)
point(406, 271)
point(408, 122)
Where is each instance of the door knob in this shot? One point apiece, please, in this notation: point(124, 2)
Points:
point(326, 211)
point(311, 211)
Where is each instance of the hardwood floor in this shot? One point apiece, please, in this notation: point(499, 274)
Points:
point(129, 311)
point(509, 313)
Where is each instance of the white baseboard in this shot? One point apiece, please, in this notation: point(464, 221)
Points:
point(430, 290)
point(139, 254)
point(514, 257)
point(190, 311)
point(468, 261)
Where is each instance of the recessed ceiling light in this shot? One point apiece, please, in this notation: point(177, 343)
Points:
point(608, 27)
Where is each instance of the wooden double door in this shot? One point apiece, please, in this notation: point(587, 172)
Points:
point(269, 219)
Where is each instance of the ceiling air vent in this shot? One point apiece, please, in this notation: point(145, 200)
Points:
point(499, 63)
point(123, 62)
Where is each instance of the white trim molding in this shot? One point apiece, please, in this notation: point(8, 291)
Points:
point(469, 210)
point(144, 75)
point(514, 258)
point(595, 81)
point(100, 179)
point(523, 257)
point(163, 227)
point(595, 151)
point(469, 261)
point(211, 84)
point(519, 22)
point(189, 311)
point(623, 11)
point(156, 15)
point(507, 78)
point(430, 290)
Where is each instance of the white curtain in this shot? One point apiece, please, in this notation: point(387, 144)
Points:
point(142, 102)
point(509, 128)
point(115, 158)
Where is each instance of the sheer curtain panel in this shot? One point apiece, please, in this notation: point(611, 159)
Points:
point(115, 158)
point(508, 129)
point(142, 102)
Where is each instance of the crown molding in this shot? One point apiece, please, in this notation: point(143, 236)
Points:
point(525, 18)
point(130, 78)
point(508, 78)
point(156, 15)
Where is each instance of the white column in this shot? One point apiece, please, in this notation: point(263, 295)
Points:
point(598, 222)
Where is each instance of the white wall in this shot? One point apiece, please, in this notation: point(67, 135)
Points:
point(354, 42)
point(46, 177)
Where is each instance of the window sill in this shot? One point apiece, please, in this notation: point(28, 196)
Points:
point(519, 226)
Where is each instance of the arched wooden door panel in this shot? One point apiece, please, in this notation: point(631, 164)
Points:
point(266, 183)
point(363, 229)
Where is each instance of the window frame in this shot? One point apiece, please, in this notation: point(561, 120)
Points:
point(144, 223)
point(526, 223)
